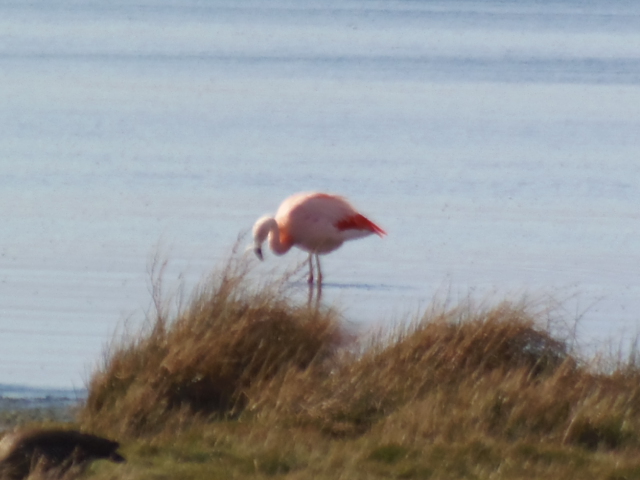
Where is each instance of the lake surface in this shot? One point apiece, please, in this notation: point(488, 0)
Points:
point(496, 142)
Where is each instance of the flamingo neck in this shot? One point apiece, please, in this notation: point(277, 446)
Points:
point(279, 241)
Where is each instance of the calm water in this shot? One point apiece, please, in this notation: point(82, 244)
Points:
point(496, 142)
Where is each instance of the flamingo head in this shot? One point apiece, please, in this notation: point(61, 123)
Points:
point(261, 230)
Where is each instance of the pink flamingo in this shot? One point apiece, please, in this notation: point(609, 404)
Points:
point(315, 222)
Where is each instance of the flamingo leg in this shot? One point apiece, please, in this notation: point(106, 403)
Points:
point(310, 280)
point(310, 296)
point(319, 271)
point(319, 293)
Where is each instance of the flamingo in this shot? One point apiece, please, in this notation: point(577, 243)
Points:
point(315, 222)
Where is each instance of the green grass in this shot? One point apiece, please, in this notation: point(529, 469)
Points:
point(244, 382)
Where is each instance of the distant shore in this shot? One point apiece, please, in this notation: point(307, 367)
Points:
point(20, 404)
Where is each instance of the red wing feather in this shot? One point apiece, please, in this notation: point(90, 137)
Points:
point(359, 222)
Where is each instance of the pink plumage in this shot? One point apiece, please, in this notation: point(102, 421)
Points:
point(315, 222)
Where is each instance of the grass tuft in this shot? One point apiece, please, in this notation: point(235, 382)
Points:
point(205, 360)
point(432, 359)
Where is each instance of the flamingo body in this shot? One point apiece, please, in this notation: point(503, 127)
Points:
point(315, 222)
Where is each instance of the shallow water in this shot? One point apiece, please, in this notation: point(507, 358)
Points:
point(496, 142)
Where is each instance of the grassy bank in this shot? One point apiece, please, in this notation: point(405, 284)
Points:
point(244, 382)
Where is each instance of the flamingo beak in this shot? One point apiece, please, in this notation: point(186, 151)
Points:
point(258, 252)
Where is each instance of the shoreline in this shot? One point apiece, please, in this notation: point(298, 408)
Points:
point(21, 404)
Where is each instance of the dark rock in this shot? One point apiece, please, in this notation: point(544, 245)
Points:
point(55, 452)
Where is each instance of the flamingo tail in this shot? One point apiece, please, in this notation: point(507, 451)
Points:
point(359, 222)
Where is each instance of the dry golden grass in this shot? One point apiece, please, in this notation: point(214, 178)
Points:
point(244, 382)
point(434, 358)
